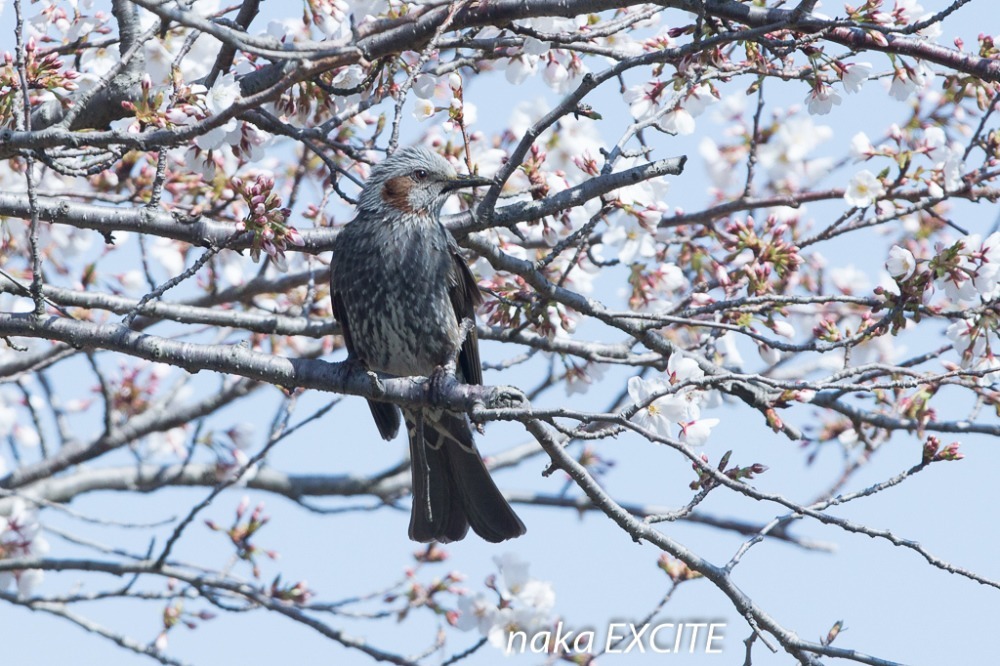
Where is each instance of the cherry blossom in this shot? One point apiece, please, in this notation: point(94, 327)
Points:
point(525, 604)
point(861, 146)
point(863, 189)
point(785, 153)
point(222, 95)
point(679, 121)
point(901, 263)
point(907, 79)
point(8, 418)
point(423, 109)
point(854, 75)
point(643, 99)
point(520, 68)
point(695, 433)
point(821, 99)
point(654, 414)
point(476, 612)
point(633, 238)
point(20, 536)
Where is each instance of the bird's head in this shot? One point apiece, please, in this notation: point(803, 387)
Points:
point(413, 181)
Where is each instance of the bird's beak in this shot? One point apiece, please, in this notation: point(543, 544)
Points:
point(464, 181)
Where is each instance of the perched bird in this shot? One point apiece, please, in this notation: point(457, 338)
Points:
point(401, 291)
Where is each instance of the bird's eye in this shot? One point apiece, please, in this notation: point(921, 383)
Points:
point(420, 174)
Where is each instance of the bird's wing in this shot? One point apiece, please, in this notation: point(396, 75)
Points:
point(340, 312)
point(465, 296)
point(386, 414)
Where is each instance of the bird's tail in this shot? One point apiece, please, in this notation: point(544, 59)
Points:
point(452, 489)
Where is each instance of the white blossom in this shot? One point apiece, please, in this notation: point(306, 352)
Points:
point(349, 77)
point(535, 47)
point(27, 581)
point(936, 143)
point(719, 168)
point(784, 155)
point(8, 417)
point(933, 31)
point(333, 21)
point(966, 340)
point(652, 414)
point(26, 436)
point(784, 329)
point(861, 146)
point(425, 86)
point(855, 75)
point(849, 279)
point(423, 109)
point(556, 75)
point(219, 136)
point(848, 437)
point(821, 99)
point(902, 86)
point(520, 68)
point(527, 604)
point(901, 263)
point(907, 81)
point(682, 368)
point(222, 95)
point(170, 443)
point(167, 252)
point(476, 612)
point(908, 10)
point(158, 60)
point(863, 189)
point(683, 405)
point(641, 99)
point(726, 346)
point(768, 354)
point(21, 536)
point(679, 121)
point(634, 240)
point(695, 433)
point(672, 278)
point(951, 172)
point(513, 572)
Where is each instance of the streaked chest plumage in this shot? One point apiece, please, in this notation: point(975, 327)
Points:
point(394, 281)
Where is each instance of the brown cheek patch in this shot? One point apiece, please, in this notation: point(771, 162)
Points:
point(396, 193)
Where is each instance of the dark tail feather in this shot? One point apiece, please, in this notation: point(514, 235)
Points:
point(452, 489)
point(437, 513)
point(487, 511)
point(386, 417)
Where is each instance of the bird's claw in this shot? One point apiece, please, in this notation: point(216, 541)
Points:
point(378, 388)
point(506, 397)
point(439, 383)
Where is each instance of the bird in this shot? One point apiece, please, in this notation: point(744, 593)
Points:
point(401, 291)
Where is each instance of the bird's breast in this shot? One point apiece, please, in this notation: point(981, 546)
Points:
point(397, 298)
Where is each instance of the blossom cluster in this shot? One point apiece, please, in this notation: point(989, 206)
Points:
point(673, 400)
point(243, 532)
point(21, 537)
point(932, 144)
point(518, 603)
point(965, 273)
point(267, 220)
point(46, 78)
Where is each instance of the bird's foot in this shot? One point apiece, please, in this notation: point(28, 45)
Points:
point(354, 365)
point(440, 383)
point(506, 397)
